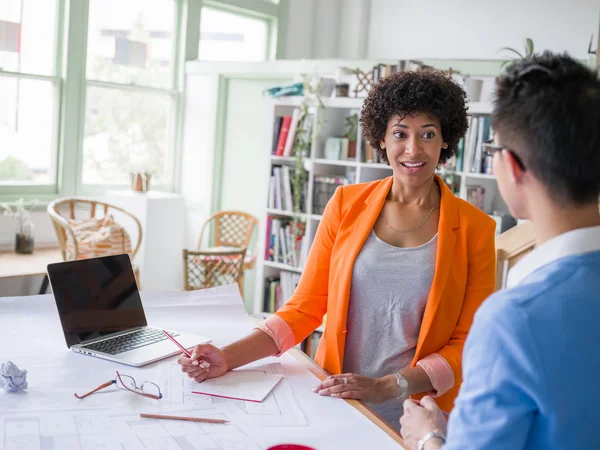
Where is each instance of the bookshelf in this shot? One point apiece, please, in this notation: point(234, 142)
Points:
point(339, 171)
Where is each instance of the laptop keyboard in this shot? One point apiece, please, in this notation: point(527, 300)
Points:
point(130, 341)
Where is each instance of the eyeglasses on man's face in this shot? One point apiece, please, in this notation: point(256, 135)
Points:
point(492, 148)
point(128, 383)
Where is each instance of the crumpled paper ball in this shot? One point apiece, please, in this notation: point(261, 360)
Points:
point(12, 378)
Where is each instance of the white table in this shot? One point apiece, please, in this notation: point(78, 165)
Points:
point(48, 416)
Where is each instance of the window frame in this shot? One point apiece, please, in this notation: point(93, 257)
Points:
point(12, 191)
point(70, 86)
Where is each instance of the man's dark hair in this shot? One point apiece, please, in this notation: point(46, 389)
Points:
point(423, 91)
point(547, 109)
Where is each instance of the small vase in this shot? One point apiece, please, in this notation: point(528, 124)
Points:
point(24, 239)
point(140, 181)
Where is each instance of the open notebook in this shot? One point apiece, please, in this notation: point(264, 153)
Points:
point(249, 385)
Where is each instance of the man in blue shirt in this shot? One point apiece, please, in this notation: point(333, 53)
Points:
point(531, 365)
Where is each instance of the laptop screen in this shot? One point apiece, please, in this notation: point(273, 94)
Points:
point(96, 297)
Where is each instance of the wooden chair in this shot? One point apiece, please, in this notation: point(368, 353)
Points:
point(206, 269)
point(511, 247)
point(232, 230)
point(81, 209)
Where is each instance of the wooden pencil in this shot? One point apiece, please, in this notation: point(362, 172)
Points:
point(189, 419)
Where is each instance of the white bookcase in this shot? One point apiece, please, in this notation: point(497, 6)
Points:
point(333, 124)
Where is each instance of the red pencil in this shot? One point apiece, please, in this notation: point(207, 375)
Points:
point(202, 364)
point(185, 350)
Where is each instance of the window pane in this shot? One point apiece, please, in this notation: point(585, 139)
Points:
point(28, 36)
point(131, 41)
point(232, 37)
point(26, 131)
point(126, 132)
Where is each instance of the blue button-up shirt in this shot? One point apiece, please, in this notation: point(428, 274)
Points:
point(531, 364)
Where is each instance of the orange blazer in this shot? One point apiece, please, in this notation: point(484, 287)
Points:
point(464, 276)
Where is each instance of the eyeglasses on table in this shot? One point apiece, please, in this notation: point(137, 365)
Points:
point(128, 383)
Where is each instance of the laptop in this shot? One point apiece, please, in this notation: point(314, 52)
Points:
point(101, 312)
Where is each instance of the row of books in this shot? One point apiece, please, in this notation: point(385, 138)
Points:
point(286, 242)
point(311, 343)
point(471, 155)
point(278, 290)
point(281, 190)
point(287, 129)
point(384, 70)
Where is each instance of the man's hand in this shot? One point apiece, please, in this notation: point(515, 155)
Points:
point(349, 385)
point(420, 419)
point(204, 352)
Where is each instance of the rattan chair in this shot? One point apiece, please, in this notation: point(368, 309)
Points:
point(232, 230)
point(206, 269)
point(81, 209)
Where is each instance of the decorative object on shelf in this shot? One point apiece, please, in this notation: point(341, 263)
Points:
point(473, 88)
point(12, 379)
point(528, 51)
point(365, 82)
point(281, 91)
point(24, 234)
point(140, 181)
point(351, 134)
point(327, 86)
point(342, 89)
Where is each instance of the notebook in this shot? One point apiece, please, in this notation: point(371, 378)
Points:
point(248, 385)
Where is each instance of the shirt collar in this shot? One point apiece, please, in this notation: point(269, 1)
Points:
point(571, 243)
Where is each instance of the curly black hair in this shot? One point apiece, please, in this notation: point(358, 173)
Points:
point(426, 91)
point(547, 109)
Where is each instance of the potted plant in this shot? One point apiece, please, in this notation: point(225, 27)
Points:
point(24, 233)
point(528, 51)
point(351, 134)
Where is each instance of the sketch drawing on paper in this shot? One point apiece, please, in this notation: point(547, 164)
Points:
point(280, 407)
point(95, 432)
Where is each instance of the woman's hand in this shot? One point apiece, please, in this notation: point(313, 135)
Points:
point(205, 352)
point(349, 385)
point(420, 419)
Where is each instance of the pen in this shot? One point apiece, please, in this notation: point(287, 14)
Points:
point(189, 419)
point(202, 364)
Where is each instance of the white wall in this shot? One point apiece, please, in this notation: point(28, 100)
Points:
point(461, 29)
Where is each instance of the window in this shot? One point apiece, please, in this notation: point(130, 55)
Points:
point(130, 95)
point(29, 92)
point(78, 125)
point(225, 36)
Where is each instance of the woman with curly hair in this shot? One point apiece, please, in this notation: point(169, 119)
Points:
point(399, 265)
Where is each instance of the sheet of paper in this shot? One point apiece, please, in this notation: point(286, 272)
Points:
point(249, 385)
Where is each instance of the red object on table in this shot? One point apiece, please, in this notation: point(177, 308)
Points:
point(290, 447)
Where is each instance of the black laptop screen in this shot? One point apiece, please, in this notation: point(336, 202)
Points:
point(96, 297)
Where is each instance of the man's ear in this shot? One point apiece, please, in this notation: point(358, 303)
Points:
point(514, 169)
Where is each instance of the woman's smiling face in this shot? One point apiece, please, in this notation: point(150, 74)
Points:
point(413, 145)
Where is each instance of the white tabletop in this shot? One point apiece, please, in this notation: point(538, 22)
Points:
point(48, 416)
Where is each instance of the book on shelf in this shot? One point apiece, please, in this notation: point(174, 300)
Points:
point(281, 190)
point(278, 290)
point(311, 343)
point(288, 129)
point(479, 132)
point(284, 241)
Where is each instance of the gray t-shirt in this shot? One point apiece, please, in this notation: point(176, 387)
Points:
point(390, 287)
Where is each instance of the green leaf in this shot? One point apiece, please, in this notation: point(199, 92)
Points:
point(528, 47)
point(509, 49)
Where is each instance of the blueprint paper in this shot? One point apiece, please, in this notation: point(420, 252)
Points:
point(47, 416)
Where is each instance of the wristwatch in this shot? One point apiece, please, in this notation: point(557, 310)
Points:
point(402, 383)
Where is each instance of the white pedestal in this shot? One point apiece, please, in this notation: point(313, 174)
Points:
point(162, 216)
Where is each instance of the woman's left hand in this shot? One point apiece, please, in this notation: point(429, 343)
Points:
point(349, 385)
